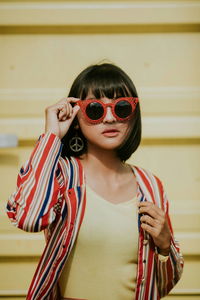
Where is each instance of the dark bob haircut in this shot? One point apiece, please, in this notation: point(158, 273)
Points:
point(110, 81)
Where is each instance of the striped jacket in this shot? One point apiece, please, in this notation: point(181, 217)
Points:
point(51, 196)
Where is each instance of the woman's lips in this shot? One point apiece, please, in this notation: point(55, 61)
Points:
point(110, 132)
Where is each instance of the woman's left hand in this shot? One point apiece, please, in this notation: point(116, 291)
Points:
point(154, 221)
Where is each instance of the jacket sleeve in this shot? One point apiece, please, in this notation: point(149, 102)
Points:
point(32, 207)
point(170, 270)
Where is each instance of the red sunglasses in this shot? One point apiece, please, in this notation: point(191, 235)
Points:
point(94, 110)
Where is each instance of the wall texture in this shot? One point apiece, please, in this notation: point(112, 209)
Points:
point(44, 45)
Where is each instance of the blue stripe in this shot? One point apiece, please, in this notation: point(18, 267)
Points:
point(142, 199)
point(71, 174)
point(48, 192)
point(79, 195)
point(64, 213)
point(8, 207)
point(24, 172)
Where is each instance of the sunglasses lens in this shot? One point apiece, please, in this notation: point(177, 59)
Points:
point(123, 109)
point(94, 110)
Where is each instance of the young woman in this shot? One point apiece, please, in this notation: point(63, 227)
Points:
point(106, 222)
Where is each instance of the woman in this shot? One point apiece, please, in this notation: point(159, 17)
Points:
point(106, 222)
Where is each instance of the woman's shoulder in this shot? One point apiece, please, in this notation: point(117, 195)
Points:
point(70, 160)
point(72, 166)
point(150, 185)
point(144, 171)
point(147, 175)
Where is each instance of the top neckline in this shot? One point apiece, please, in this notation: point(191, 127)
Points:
point(133, 169)
point(132, 200)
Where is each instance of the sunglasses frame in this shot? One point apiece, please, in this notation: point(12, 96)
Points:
point(84, 103)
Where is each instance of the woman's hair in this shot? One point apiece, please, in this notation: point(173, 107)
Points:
point(110, 81)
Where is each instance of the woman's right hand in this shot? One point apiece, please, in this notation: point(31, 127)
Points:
point(59, 116)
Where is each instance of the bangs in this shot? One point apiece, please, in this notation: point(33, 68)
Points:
point(104, 81)
point(101, 87)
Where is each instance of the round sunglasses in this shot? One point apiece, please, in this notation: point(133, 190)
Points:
point(94, 110)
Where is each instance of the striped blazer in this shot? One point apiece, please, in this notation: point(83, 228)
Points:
point(51, 196)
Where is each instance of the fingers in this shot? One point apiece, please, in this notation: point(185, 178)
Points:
point(153, 231)
point(153, 221)
point(152, 226)
point(59, 116)
point(151, 214)
point(151, 209)
point(74, 113)
point(64, 109)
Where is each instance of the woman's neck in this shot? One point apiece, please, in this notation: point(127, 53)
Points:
point(103, 164)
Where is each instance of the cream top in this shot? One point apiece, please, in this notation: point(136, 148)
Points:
point(103, 261)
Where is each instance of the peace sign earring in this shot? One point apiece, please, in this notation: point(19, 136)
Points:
point(76, 143)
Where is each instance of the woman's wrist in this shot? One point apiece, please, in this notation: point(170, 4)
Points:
point(164, 252)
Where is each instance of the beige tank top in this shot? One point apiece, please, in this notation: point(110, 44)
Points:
point(103, 261)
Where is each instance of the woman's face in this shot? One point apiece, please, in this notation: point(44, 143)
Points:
point(107, 135)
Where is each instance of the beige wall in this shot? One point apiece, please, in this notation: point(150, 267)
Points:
point(44, 45)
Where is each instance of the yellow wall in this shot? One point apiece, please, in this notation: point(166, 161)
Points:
point(44, 45)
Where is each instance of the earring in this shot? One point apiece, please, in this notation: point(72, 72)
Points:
point(76, 143)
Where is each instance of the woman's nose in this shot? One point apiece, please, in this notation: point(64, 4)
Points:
point(109, 117)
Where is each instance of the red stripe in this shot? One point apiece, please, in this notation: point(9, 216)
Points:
point(160, 189)
point(169, 274)
point(80, 171)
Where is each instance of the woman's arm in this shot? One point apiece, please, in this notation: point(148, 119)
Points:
point(169, 270)
point(40, 182)
point(39, 187)
point(169, 261)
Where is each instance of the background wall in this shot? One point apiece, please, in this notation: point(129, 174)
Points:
point(44, 45)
